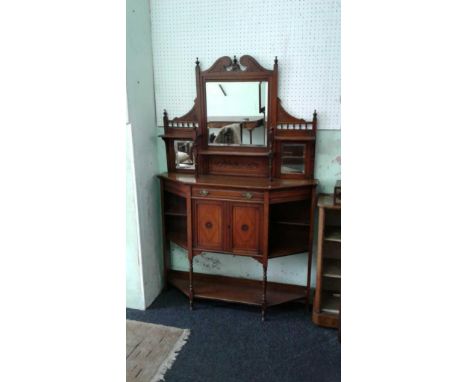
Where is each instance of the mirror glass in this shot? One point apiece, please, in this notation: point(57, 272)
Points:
point(293, 158)
point(237, 113)
point(184, 155)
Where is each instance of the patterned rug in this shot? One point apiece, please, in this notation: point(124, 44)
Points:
point(151, 350)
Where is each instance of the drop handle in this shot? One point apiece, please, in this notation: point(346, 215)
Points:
point(247, 195)
point(203, 192)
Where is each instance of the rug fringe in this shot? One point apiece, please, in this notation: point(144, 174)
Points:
point(167, 364)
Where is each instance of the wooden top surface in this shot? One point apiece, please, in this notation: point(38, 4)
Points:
point(237, 181)
point(326, 201)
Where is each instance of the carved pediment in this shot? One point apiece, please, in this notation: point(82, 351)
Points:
point(245, 64)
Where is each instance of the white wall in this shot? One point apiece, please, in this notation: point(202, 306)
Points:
point(145, 269)
point(134, 274)
point(304, 34)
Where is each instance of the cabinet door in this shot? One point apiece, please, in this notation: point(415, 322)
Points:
point(246, 228)
point(208, 224)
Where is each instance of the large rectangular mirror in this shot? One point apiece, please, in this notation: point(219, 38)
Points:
point(237, 113)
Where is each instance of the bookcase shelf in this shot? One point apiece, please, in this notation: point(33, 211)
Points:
point(327, 299)
point(333, 234)
point(332, 268)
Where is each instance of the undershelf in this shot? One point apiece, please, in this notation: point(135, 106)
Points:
point(230, 289)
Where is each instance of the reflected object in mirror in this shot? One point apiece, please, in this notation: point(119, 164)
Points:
point(184, 155)
point(293, 158)
point(237, 113)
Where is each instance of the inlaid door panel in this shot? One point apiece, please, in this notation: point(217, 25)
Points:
point(208, 224)
point(246, 228)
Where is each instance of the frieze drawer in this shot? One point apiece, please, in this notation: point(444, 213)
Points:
point(210, 193)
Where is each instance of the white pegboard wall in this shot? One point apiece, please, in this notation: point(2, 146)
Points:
point(304, 34)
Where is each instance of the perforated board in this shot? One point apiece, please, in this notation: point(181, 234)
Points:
point(304, 34)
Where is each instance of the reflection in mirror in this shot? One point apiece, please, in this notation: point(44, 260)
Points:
point(237, 113)
point(184, 155)
point(293, 158)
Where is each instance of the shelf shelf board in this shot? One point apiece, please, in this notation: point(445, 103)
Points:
point(292, 157)
point(230, 289)
point(292, 222)
point(175, 213)
point(294, 138)
point(333, 234)
point(178, 238)
point(286, 249)
point(330, 303)
point(235, 153)
point(332, 268)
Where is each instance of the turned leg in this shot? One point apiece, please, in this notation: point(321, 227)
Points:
point(264, 291)
point(191, 282)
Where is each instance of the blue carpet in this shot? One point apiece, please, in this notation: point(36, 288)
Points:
point(230, 343)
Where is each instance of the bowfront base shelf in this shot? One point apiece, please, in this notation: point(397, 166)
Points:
point(230, 289)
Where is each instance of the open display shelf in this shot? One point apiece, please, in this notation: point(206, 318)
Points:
point(327, 299)
point(175, 220)
point(289, 228)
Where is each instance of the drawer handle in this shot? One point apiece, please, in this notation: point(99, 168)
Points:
point(208, 225)
point(203, 192)
point(247, 195)
point(244, 227)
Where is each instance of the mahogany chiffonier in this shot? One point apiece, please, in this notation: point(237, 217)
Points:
point(240, 181)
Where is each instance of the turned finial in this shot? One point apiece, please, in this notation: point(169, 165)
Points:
point(197, 62)
point(276, 60)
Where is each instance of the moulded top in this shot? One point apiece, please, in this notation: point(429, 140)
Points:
point(237, 181)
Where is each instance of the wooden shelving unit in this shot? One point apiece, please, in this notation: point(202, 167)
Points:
point(327, 299)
